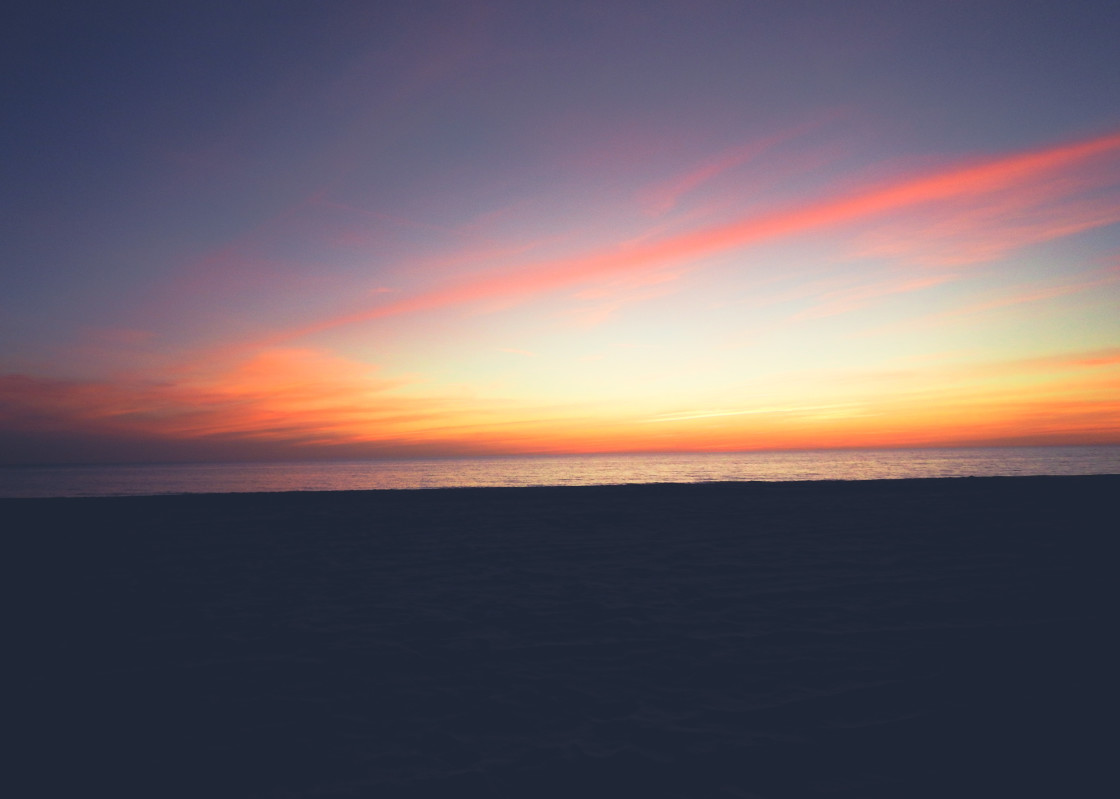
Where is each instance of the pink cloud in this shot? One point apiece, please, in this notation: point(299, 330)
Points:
point(1030, 171)
point(603, 301)
point(988, 227)
point(663, 198)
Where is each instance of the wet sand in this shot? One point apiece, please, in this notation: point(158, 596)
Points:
point(906, 638)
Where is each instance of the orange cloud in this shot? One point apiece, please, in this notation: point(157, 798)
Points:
point(302, 402)
point(296, 395)
point(1062, 362)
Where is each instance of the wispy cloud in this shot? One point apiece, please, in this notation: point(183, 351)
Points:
point(662, 198)
point(1069, 396)
point(1101, 279)
point(988, 227)
point(1032, 171)
point(290, 394)
point(1022, 295)
point(602, 302)
point(856, 298)
point(717, 412)
point(1104, 358)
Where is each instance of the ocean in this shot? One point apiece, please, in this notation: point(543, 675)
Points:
point(508, 471)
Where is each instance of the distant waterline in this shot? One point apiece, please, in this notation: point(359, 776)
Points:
point(70, 481)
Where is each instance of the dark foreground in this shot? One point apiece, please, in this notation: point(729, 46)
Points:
point(933, 638)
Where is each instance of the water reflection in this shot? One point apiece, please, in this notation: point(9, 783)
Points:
point(554, 470)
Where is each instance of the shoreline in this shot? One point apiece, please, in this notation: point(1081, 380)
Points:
point(123, 480)
point(594, 486)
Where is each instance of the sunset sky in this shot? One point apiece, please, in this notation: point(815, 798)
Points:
point(239, 231)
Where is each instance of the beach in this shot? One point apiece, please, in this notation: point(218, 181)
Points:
point(888, 638)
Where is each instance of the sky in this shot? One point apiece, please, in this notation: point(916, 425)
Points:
point(307, 230)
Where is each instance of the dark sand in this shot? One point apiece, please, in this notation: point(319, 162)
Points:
point(912, 638)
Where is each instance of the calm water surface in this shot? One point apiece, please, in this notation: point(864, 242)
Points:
point(58, 481)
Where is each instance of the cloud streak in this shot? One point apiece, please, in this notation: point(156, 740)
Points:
point(300, 401)
point(683, 416)
point(1098, 279)
point(298, 395)
point(661, 199)
point(1035, 171)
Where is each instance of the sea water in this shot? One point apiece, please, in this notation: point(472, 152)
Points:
point(121, 480)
